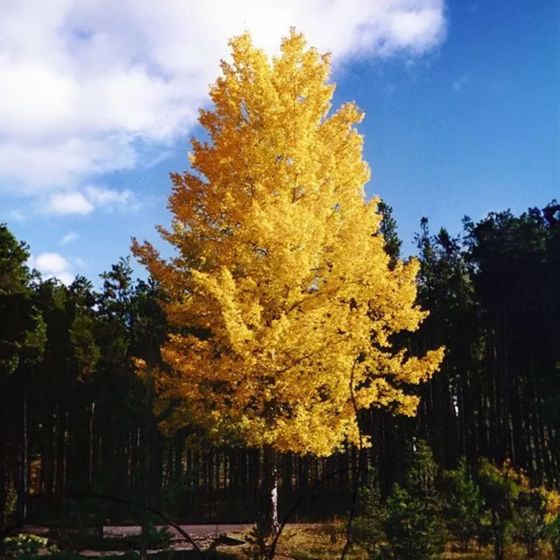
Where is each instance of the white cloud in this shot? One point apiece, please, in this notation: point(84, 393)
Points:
point(84, 201)
point(64, 203)
point(52, 265)
point(85, 83)
point(69, 238)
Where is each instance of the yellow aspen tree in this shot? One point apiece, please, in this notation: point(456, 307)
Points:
point(281, 295)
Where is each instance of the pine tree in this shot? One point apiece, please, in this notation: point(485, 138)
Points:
point(414, 524)
point(463, 504)
point(388, 229)
point(500, 489)
point(22, 340)
point(282, 296)
point(369, 530)
point(529, 523)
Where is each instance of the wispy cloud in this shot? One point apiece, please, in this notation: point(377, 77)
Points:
point(80, 263)
point(87, 85)
point(17, 216)
point(69, 238)
point(461, 82)
point(109, 198)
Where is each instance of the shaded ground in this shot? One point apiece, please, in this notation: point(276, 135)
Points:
point(109, 542)
point(299, 541)
point(195, 531)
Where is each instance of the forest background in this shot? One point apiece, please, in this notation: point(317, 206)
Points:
point(76, 419)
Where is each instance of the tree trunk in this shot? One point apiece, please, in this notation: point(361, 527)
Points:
point(90, 449)
point(22, 485)
point(499, 536)
point(267, 522)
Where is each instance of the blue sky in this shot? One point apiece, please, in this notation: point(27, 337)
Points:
point(462, 104)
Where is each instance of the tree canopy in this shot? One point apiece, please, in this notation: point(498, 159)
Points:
point(282, 295)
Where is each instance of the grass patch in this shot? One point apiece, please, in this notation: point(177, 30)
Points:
point(326, 541)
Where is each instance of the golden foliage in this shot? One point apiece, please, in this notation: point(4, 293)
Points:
point(281, 292)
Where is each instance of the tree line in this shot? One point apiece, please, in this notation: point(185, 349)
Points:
point(76, 420)
point(494, 296)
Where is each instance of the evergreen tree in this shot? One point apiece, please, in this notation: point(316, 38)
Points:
point(21, 328)
point(529, 523)
point(515, 271)
point(22, 339)
point(388, 229)
point(553, 535)
point(500, 489)
point(414, 525)
point(369, 528)
point(463, 504)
